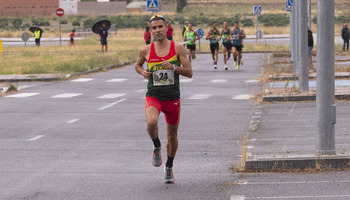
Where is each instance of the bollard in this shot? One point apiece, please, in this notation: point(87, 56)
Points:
point(1, 46)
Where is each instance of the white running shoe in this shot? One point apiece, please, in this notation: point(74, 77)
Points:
point(168, 175)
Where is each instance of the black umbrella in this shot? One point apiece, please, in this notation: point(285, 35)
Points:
point(98, 25)
point(32, 29)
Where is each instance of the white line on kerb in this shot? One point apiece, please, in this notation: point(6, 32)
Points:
point(36, 138)
point(72, 121)
point(292, 182)
point(112, 104)
point(300, 197)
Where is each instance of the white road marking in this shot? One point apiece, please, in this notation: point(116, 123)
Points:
point(112, 104)
point(301, 197)
point(110, 96)
point(293, 182)
point(82, 80)
point(251, 81)
point(67, 95)
point(200, 96)
point(218, 81)
point(22, 95)
point(116, 80)
point(187, 80)
point(35, 138)
point(234, 197)
point(142, 90)
point(145, 80)
point(243, 97)
point(72, 121)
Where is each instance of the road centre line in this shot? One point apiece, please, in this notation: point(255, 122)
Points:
point(72, 121)
point(219, 81)
point(35, 138)
point(298, 197)
point(112, 104)
point(243, 97)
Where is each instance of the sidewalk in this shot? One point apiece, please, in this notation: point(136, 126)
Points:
point(286, 138)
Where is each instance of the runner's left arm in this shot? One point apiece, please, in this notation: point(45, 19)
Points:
point(243, 34)
point(197, 36)
point(186, 69)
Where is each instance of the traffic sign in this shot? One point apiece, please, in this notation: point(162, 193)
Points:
point(289, 5)
point(200, 32)
point(152, 5)
point(257, 10)
point(25, 37)
point(59, 12)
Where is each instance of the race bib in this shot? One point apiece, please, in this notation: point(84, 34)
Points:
point(163, 77)
point(226, 38)
point(235, 37)
point(189, 39)
point(214, 39)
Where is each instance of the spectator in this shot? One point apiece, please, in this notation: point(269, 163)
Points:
point(103, 37)
point(147, 36)
point(71, 36)
point(38, 34)
point(345, 35)
point(169, 33)
point(310, 45)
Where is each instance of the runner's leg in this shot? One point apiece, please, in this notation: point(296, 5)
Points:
point(152, 116)
point(189, 53)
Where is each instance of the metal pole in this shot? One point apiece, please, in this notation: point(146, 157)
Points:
point(60, 29)
point(310, 22)
point(295, 37)
point(256, 29)
point(325, 101)
point(291, 35)
point(303, 47)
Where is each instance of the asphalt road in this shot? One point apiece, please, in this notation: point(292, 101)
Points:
point(86, 139)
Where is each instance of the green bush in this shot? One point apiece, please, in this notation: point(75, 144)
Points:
point(274, 19)
point(88, 23)
point(247, 22)
point(76, 23)
point(340, 20)
point(3, 23)
point(64, 22)
point(17, 23)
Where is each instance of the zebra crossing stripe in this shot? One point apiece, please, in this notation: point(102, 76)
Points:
point(218, 81)
point(22, 95)
point(116, 80)
point(200, 96)
point(243, 97)
point(67, 95)
point(110, 96)
point(82, 80)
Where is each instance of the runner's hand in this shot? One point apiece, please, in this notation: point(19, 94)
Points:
point(146, 74)
point(167, 65)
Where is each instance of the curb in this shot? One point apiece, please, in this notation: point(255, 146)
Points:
point(296, 98)
point(299, 163)
point(31, 78)
point(294, 78)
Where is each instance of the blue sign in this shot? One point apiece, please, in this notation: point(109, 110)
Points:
point(152, 5)
point(289, 5)
point(257, 10)
point(200, 32)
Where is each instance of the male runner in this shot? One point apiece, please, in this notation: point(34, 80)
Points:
point(164, 59)
point(191, 36)
point(226, 36)
point(214, 37)
point(237, 43)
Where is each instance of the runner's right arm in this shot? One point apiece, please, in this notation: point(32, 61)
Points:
point(140, 61)
point(209, 35)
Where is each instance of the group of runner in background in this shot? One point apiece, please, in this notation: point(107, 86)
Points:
point(232, 42)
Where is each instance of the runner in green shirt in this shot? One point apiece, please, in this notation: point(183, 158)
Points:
point(226, 36)
point(191, 36)
point(214, 37)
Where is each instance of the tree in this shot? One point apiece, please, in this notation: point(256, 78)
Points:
point(180, 5)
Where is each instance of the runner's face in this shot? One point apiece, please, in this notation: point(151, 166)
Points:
point(214, 26)
point(158, 29)
point(225, 25)
point(189, 26)
point(236, 25)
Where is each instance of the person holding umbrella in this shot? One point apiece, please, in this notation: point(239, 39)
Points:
point(38, 32)
point(103, 37)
